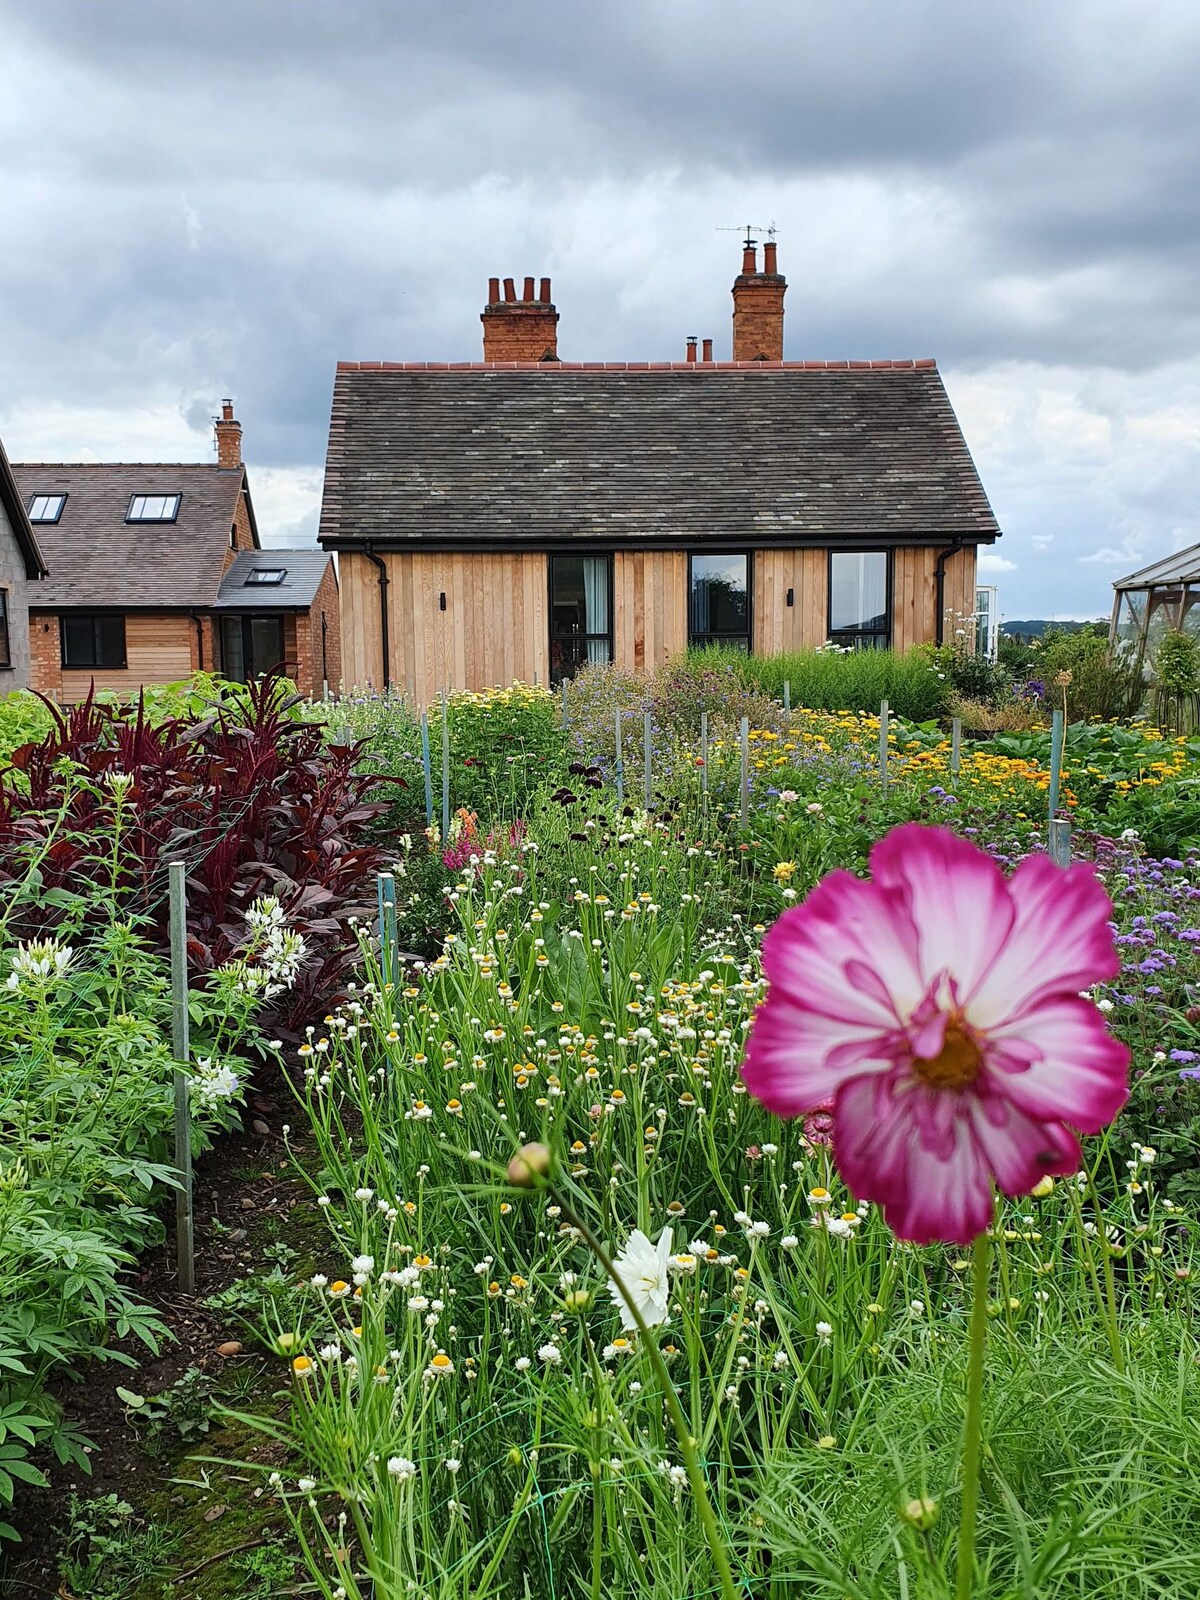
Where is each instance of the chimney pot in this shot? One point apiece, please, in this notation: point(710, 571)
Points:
point(758, 309)
point(691, 347)
point(749, 260)
point(707, 350)
point(524, 329)
point(226, 410)
point(770, 259)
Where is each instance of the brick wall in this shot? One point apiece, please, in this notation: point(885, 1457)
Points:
point(326, 606)
point(46, 670)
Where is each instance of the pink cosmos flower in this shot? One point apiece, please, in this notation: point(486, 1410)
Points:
point(937, 1006)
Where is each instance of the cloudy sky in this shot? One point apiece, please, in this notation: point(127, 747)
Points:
point(223, 197)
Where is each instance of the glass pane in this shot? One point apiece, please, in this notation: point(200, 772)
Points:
point(858, 590)
point(1191, 612)
point(720, 600)
point(233, 664)
point(266, 644)
point(78, 641)
point(579, 615)
point(110, 641)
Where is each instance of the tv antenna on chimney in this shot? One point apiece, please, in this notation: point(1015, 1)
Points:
point(750, 229)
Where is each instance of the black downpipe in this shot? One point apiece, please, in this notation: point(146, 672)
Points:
point(383, 611)
point(199, 621)
point(940, 584)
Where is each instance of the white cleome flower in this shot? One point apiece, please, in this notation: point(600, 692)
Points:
point(642, 1269)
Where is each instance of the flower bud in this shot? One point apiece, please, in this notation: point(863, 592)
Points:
point(922, 1513)
point(531, 1162)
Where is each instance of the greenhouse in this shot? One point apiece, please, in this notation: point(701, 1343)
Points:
point(1151, 603)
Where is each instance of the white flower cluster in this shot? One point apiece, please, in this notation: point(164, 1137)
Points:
point(276, 952)
point(213, 1082)
point(39, 964)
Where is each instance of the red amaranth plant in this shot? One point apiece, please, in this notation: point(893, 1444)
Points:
point(251, 798)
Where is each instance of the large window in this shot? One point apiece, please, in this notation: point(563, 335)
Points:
point(46, 507)
point(5, 646)
point(719, 601)
point(860, 604)
point(580, 613)
point(89, 642)
point(250, 646)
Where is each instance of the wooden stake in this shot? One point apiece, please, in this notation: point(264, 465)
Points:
point(1056, 755)
point(445, 769)
point(428, 769)
point(646, 760)
point(883, 743)
point(745, 741)
point(704, 754)
point(787, 695)
point(620, 766)
point(1060, 842)
point(955, 745)
point(180, 1049)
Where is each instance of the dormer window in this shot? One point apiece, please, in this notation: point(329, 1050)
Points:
point(153, 508)
point(265, 575)
point(46, 507)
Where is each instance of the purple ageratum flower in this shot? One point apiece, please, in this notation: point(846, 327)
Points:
point(1182, 1055)
point(937, 1008)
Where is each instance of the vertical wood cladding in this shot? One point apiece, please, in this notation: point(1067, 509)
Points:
point(650, 624)
point(804, 624)
point(494, 627)
point(493, 630)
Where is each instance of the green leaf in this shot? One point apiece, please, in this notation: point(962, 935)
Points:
point(127, 1397)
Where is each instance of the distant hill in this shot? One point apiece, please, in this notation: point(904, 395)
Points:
point(1036, 629)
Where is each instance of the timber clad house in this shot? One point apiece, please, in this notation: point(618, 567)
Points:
point(515, 517)
point(156, 572)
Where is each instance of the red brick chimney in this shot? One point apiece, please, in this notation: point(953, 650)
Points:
point(229, 438)
point(519, 330)
point(758, 306)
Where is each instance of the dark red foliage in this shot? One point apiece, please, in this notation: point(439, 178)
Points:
point(252, 800)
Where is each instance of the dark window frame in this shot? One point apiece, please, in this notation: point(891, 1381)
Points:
point(247, 619)
point(264, 577)
point(711, 637)
point(146, 494)
point(858, 637)
point(579, 638)
point(46, 522)
point(97, 662)
point(6, 660)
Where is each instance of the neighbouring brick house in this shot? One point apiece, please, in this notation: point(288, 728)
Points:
point(514, 517)
point(21, 565)
point(157, 571)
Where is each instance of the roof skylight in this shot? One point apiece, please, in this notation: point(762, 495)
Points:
point(264, 575)
point(153, 508)
point(46, 507)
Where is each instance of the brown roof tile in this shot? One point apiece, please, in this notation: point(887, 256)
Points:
point(97, 559)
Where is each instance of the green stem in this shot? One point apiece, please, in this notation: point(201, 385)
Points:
point(973, 1441)
point(687, 1444)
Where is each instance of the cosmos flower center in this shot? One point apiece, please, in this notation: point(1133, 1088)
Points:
point(957, 1063)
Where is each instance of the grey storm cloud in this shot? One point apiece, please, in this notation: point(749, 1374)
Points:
point(225, 198)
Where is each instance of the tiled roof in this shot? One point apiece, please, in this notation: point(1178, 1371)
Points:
point(97, 559)
point(532, 454)
point(302, 569)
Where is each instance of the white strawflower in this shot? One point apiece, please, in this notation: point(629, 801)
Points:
point(642, 1269)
